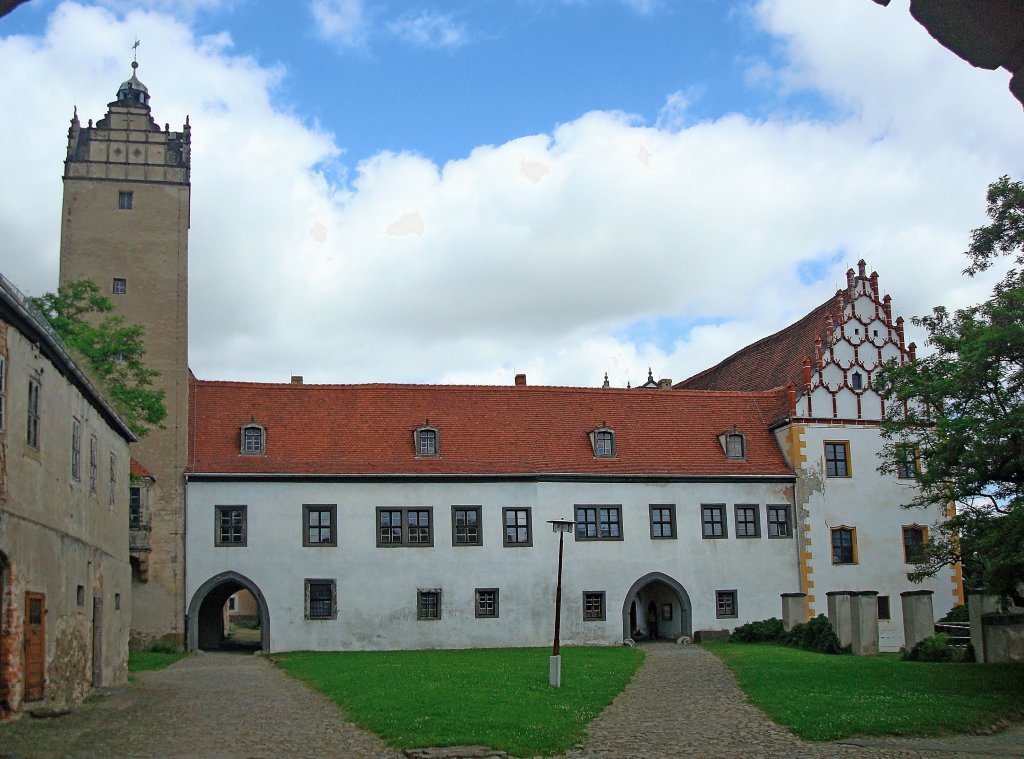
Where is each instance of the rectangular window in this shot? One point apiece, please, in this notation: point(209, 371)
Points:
point(428, 603)
point(907, 462)
point(883, 608)
point(135, 506)
point(113, 479)
point(604, 444)
point(124, 201)
point(837, 459)
point(844, 545)
point(93, 462)
point(321, 599)
point(76, 449)
point(748, 521)
point(487, 602)
point(319, 524)
point(32, 437)
point(426, 442)
point(593, 605)
point(778, 520)
point(120, 286)
point(914, 538)
point(663, 520)
point(517, 527)
point(405, 526)
point(725, 603)
point(467, 529)
point(230, 527)
point(252, 439)
point(598, 523)
point(712, 517)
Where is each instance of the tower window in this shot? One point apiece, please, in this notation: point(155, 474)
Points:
point(857, 380)
point(124, 200)
point(120, 286)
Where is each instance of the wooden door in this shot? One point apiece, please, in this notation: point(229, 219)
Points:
point(35, 645)
point(97, 640)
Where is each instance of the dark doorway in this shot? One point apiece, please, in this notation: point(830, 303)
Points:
point(35, 646)
point(210, 621)
point(664, 605)
point(652, 619)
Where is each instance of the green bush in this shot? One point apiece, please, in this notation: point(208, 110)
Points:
point(816, 635)
point(162, 647)
point(957, 614)
point(764, 631)
point(936, 648)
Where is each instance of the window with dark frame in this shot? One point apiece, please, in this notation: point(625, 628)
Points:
point(663, 520)
point(119, 286)
point(113, 478)
point(426, 442)
point(125, 200)
point(883, 608)
point(593, 605)
point(604, 444)
point(713, 523)
point(231, 526)
point(428, 604)
point(778, 521)
point(735, 446)
point(252, 439)
point(93, 462)
point(837, 459)
point(320, 526)
point(725, 603)
point(748, 520)
point(405, 526)
point(518, 532)
point(32, 433)
point(76, 449)
point(486, 603)
point(857, 381)
point(907, 462)
point(135, 507)
point(914, 538)
point(321, 599)
point(466, 526)
point(598, 523)
point(843, 545)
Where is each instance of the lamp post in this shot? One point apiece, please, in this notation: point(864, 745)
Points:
point(561, 526)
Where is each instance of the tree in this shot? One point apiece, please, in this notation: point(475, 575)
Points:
point(112, 350)
point(962, 408)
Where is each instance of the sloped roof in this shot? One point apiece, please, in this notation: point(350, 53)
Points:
point(771, 362)
point(138, 470)
point(483, 430)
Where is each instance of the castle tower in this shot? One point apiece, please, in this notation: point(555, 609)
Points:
point(124, 225)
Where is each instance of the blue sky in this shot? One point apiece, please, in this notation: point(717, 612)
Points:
point(457, 191)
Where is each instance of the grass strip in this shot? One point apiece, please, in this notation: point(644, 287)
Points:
point(821, 697)
point(498, 698)
point(143, 661)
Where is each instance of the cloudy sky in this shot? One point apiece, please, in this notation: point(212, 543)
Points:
point(459, 190)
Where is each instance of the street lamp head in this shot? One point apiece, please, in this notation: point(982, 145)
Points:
point(561, 525)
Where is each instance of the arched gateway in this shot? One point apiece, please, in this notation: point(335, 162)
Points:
point(205, 620)
point(663, 597)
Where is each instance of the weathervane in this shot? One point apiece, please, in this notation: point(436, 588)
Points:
point(135, 54)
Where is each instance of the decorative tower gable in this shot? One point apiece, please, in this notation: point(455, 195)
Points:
point(860, 336)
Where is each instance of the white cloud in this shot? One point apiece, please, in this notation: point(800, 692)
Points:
point(563, 255)
point(429, 29)
point(340, 21)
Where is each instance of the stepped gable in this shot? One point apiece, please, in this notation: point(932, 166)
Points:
point(482, 430)
point(771, 362)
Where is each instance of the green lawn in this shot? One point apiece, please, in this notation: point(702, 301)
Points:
point(140, 661)
point(491, 697)
point(821, 697)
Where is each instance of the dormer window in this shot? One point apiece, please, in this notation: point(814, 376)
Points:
point(602, 440)
point(857, 381)
point(253, 438)
point(734, 443)
point(426, 441)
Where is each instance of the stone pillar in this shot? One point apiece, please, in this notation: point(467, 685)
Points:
point(918, 617)
point(839, 615)
point(793, 610)
point(977, 604)
point(864, 622)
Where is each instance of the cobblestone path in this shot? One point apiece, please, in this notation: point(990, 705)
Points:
point(211, 706)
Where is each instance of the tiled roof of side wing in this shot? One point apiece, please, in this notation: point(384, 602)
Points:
point(773, 361)
point(482, 430)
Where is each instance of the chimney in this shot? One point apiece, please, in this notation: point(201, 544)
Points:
point(296, 379)
point(665, 384)
point(520, 380)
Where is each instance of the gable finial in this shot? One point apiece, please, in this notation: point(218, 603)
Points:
point(606, 384)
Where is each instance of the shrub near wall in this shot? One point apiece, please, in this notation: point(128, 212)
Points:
point(816, 635)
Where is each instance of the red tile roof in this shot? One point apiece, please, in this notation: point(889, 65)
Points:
point(138, 470)
point(771, 362)
point(501, 430)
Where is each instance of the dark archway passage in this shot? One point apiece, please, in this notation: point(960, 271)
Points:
point(662, 595)
point(206, 614)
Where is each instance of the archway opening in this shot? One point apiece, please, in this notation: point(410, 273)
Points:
point(656, 607)
point(229, 613)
